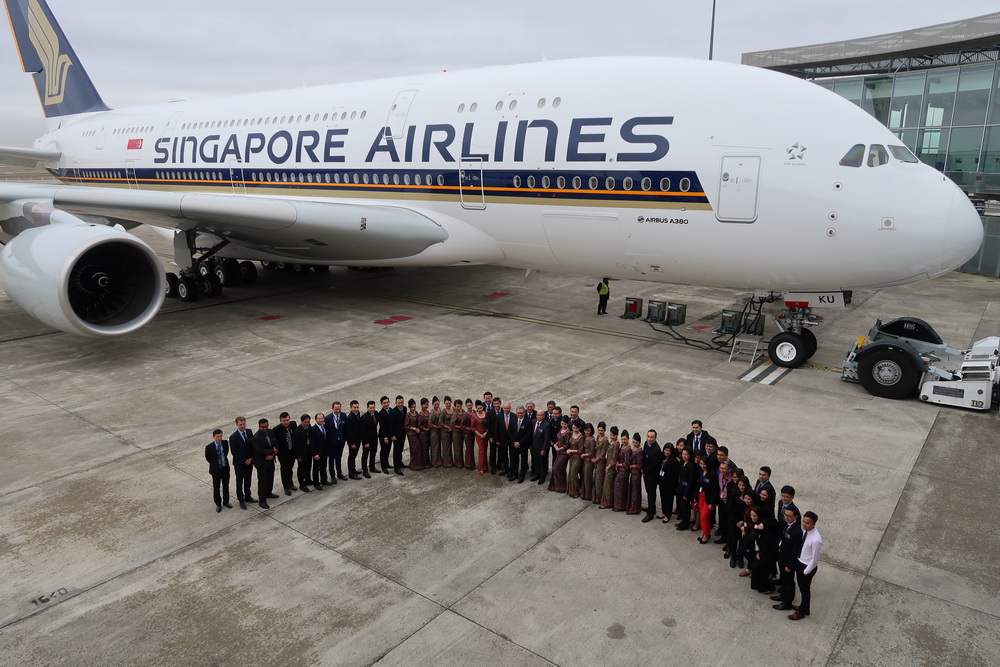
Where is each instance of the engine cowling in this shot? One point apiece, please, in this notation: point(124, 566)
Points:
point(84, 279)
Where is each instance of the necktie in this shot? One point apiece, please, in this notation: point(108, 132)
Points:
point(288, 438)
point(538, 427)
point(323, 431)
point(222, 460)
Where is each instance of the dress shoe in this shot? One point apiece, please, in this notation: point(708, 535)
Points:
point(777, 598)
point(493, 471)
point(306, 489)
point(745, 573)
point(218, 508)
point(293, 487)
point(784, 606)
point(726, 554)
point(683, 526)
point(272, 495)
point(520, 480)
point(740, 563)
point(732, 563)
point(721, 540)
point(341, 477)
point(367, 476)
point(355, 476)
point(795, 607)
point(226, 504)
point(318, 487)
point(533, 478)
point(288, 492)
point(541, 481)
point(264, 506)
point(399, 472)
point(648, 518)
point(248, 499)
point(243, 505)
point(797, 616)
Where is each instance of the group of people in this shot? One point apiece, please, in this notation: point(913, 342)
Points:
point(761, 532)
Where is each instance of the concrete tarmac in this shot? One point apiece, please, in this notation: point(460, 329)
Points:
point(112, 552)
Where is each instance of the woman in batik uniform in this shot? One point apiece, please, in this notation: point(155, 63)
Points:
point(447, 419)
point(434, 431)
point(575, 453)
point(622, 471)
point(610, 469)
point(600, 460)
point(470, 436)
point(589, 453)
point(558, 481)
point(411, 425)
point(635, 476)
point(424, 435)
point(459, 421)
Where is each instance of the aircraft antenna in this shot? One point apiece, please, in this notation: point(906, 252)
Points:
point(711, 35)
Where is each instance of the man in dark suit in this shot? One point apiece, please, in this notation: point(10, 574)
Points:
point(788, 555)
point(317, 450)
point(574, 417)
point(217, 455)
point(335, 439)
point(398, 434)
point(265, 448)
point(764, 482)
point(652, 457)
point(541, 440)
point(786, 501)
point(369, 440)
point(302, 446)
point(519, 447)
point(697, 438)
point(386, 436)
point(241, 445)
point(506, 432)
point(492, 416)
point(286, 451)
point(352, 440)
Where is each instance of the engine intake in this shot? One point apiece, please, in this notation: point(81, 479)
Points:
point(84, 279)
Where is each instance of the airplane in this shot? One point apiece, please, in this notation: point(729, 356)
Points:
point(656, 169)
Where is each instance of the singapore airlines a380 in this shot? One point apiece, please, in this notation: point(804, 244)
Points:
point(656, 169)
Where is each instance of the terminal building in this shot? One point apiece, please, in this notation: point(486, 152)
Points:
point(937, 88)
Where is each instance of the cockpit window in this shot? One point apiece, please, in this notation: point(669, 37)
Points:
point(854, 157)
point(877, 156)
point(903, 154)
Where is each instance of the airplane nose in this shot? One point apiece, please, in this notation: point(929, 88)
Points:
point(964, 233)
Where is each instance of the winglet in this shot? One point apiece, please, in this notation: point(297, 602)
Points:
point(63, 85)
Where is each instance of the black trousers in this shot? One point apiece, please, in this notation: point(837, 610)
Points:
point(384, 447)
point(786, 582)
point(602, 303)
point(724, 521)
point(805, 586)
point(503, 456)
point(539, 463)
point(265, 479)
point(335, 455)
point(287, 461)
point(683, 509)
point(368, 456)
point(304, 470)
point(518, 461)
point(220, 479)
point(494, 455)
point(397, 452)
point(244, 475)
point(352, 457)
point(667, 493)
point(651, 482)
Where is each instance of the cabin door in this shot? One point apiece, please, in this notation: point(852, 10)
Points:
point(738, 183)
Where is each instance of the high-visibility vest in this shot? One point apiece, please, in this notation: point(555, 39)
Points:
point(603, 288)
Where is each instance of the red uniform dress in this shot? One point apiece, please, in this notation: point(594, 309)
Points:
point(479, 426)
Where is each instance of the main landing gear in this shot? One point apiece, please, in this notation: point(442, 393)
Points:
point(203, 274)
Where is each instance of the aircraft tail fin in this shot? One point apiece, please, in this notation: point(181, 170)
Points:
point(63, 85)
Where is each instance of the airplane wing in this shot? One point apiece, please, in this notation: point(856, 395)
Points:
point(26, 157)
point(304, 229)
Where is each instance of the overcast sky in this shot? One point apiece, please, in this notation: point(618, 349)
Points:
point(140, 51)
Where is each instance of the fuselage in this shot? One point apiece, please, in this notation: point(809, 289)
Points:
point(659, 169)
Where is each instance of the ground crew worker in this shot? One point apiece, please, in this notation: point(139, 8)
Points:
point(603, 292)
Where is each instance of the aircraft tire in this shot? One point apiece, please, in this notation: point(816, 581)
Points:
point(809, 338)
point(186, 290)
point(787, 350)
point(283, 266)
point(225, 274)
point(171, 286)
point(210, 285)
point(248, 272)
point(888, 374)
point(300, 269)
point(204, 269)
point(322, 268)
point(267, 266)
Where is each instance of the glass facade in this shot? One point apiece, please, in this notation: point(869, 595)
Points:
point(949, 117)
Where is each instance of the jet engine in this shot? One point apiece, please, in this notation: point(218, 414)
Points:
point(84, 279)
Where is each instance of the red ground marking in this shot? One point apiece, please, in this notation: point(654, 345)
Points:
point(268, 318)
point(701, 327)
point(393, 320)
point(496, 295)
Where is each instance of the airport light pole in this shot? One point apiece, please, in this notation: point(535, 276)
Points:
point(711, 35)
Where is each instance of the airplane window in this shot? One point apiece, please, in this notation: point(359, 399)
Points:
point(268, 177)
point(877, 156)
point(284, 178)
point(299, 119)
point(440, 179)
point(577, 182)
point(499, 106)
point(308, 116)
point(354, 114)
point(364, 177)
point(473, 108)
point(417, 180)
point(363, 114)
point(627, 183)
point(461, 107)
point(531, 181)
point(609, 183)
point(406, 179)
point(343, 116)
point(592, 182)
point(545, 182)
point(517, 181)
point(556, 102)
point(512, 105)
point(385, 179)
point(853, 157)
point(647, 183)
point(374, 179)
point(685, 184)
point(903, 154)
point(541, 103)
point(665, 185)
point(395, 179)
point(309, 177)
point(325, 116)
point(561, 182)
point(428, 180)
point(336, 178)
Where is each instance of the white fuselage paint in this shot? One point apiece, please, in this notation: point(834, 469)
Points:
point(795, 218)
